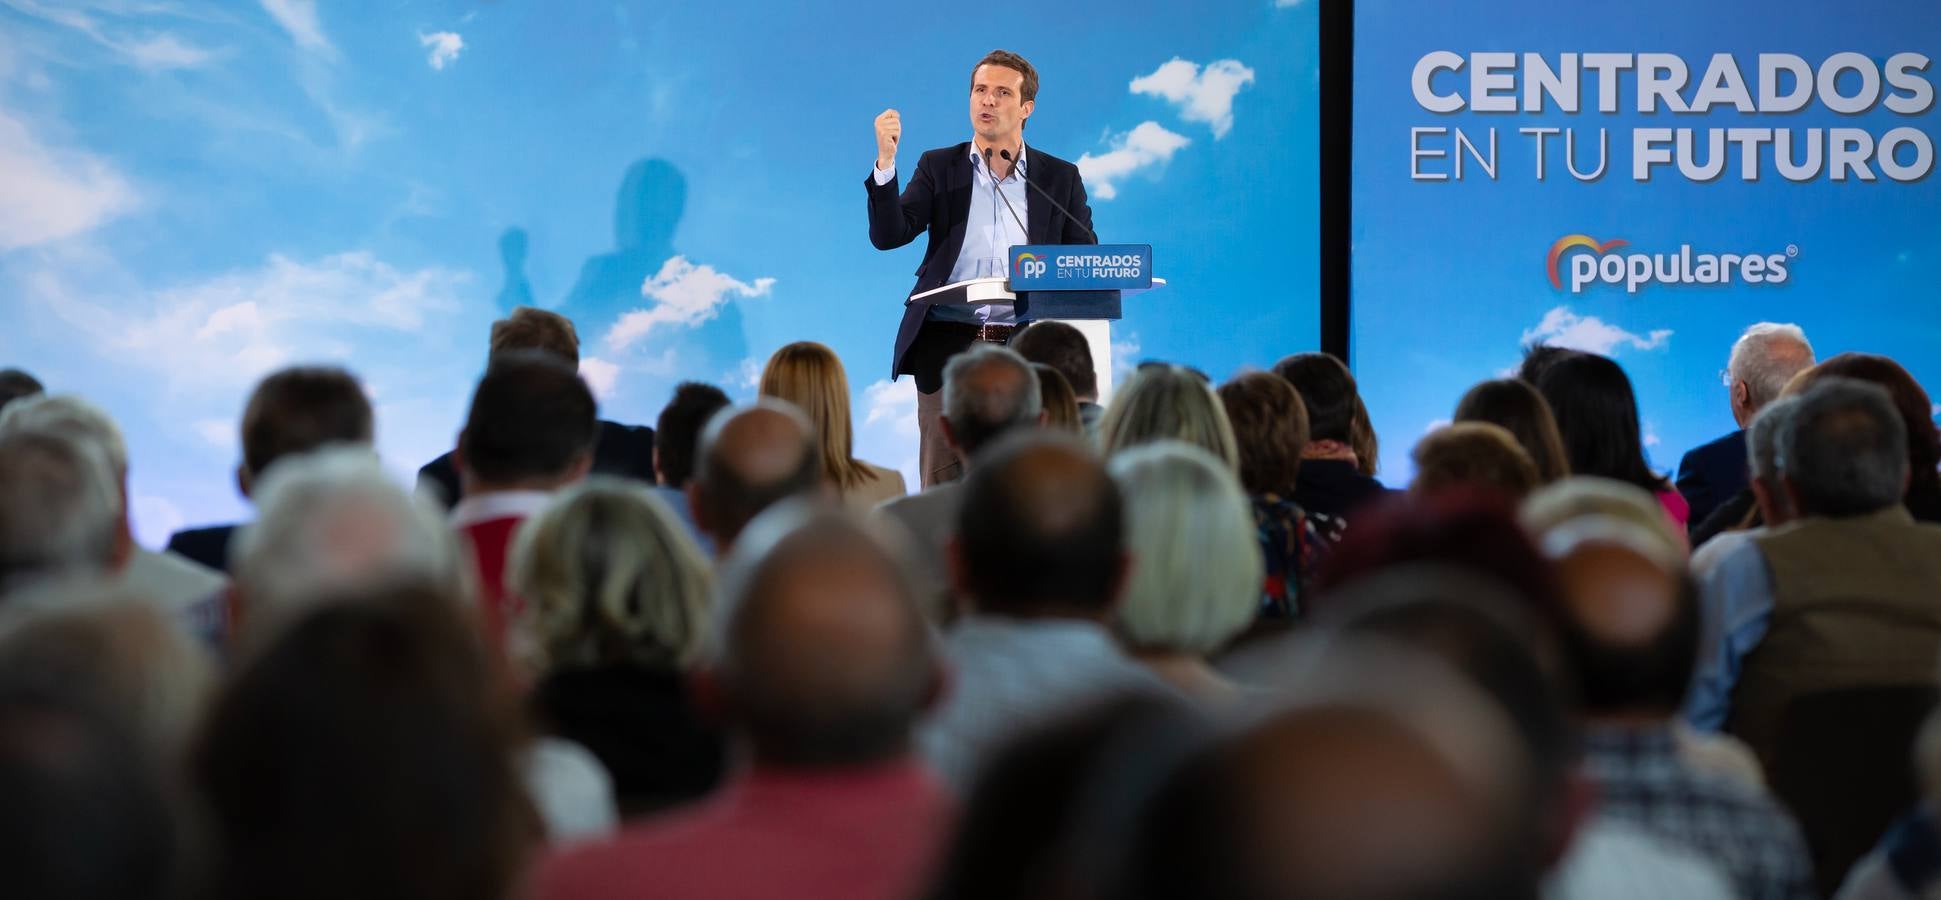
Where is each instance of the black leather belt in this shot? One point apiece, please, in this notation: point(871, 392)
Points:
point(996, 334)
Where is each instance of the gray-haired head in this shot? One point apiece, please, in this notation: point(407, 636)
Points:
point(1845, 453)
point(61, 511)
point(72, 416)
point(1197, 565)
point(1762, 454)
point(1764, 358)
point(988, 390)
point(332, 522)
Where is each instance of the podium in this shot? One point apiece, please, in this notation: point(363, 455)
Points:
point(1078, 297)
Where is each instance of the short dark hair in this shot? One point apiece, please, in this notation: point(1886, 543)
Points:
point(678, 430)
point(531, 417)
point(1515, 404)
point(1539, 357)
point(1020, 558)
point(15, 384)
point(1027, 91)
point(1845, 452)
point(1597, 417)
point(1917, 413)
point(1328, 393)
point(299, 409)
point(528, 328)
point(1062, 347)
point(1652, 675)
point(1270, 428)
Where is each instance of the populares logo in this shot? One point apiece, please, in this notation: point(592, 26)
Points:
point(1028, 265)
point(1597, 264)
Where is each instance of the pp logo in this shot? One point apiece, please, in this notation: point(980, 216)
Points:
point(1029, 265)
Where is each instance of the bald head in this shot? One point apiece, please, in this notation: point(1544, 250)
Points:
point(751, 458)
point(824, 659)
point(1631, 624)
point(988, 390)
point(1041, 531)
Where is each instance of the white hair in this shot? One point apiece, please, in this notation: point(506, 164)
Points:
point(72, 416)
point(1197, 568)
point(60, 507)
point(1761, 359)
point(331, 522)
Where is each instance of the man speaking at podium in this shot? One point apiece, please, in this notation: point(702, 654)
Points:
point(977, 199)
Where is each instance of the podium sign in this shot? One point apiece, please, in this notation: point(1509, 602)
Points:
point(1081, 267)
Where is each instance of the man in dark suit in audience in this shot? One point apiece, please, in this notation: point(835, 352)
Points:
point(623, 450)
point(1764, 358)
point(292, 411)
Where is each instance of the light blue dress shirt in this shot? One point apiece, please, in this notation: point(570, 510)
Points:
point(990, 232)
point(1736, 588)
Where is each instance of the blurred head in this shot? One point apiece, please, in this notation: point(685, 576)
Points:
point(1845, 453)
point(87, 814)
point(1164, 402)
point(1515, 405)
point(117, 648)
point(824, 659)
point(1328, 393)
point(678, 430)
point(1383, 775)
point(332, 522)
point(371, 728)
point(531, 426)
point(1917, 416)
point(61, 509)
point(1576, 497)
point(74, 418)
point(809, 376)
point(1477, 532)
point(1475, 455)
point(1597, 415)
point(1041, 532)
point(1060, 405)
point(1539, 357)
point(1630, 621)
point(1062, 347)
point(1270, 429)
point(988, 392)
point(1765, 357)
point(610, 576)
point(1004, 91)
point(15, 384)
point(1762, 451)
point(750, 459)
point(1197, 567)
point(297, 410)
point(537, 329)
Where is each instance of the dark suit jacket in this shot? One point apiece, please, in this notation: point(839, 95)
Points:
point(208, 546)
point(623, 450)
point(938, 200)
point(1712, 474)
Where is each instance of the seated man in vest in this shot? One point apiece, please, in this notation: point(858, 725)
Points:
point(1844, 596)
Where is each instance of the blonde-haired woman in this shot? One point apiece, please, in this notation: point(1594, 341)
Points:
point(617, 611)
point(1168, 402)
point(1197, 568)
point(810, 376)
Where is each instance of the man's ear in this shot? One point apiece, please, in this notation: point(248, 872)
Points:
point(458, 455)
point(1024, 110)
point(243, 481)
point(696, 509)
point(950, 435)
point(582, 465)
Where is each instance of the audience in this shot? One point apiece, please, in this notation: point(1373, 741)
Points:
point(1334, 480)
point(1631, 628)
point(1063, 347)
point(822, 667)
point(989, 391)
point(177, 583)
point(1041, 558)
point(1923, 494)
point(366, 753)
point(530, 431)
point(749, 459)
point(1769, 506)
point(1167, 402)
point(1765, 357)
point(1597, 415)
point(1474, 455)
point(292, 411)
point(1270, 428)
point(61, 514)
point(623, 450)
point(809, 375)
point(1196, 575)
point(677, 433)
point(1515, 405)
point(1061, 406)
point(1581, 496)
point(617, 605)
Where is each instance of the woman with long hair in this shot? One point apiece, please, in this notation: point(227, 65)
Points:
point(1516, 406)
point(1597, 417)
point(810, 376)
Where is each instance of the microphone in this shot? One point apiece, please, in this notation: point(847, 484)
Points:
point(999, 191)
point(1047, 195)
